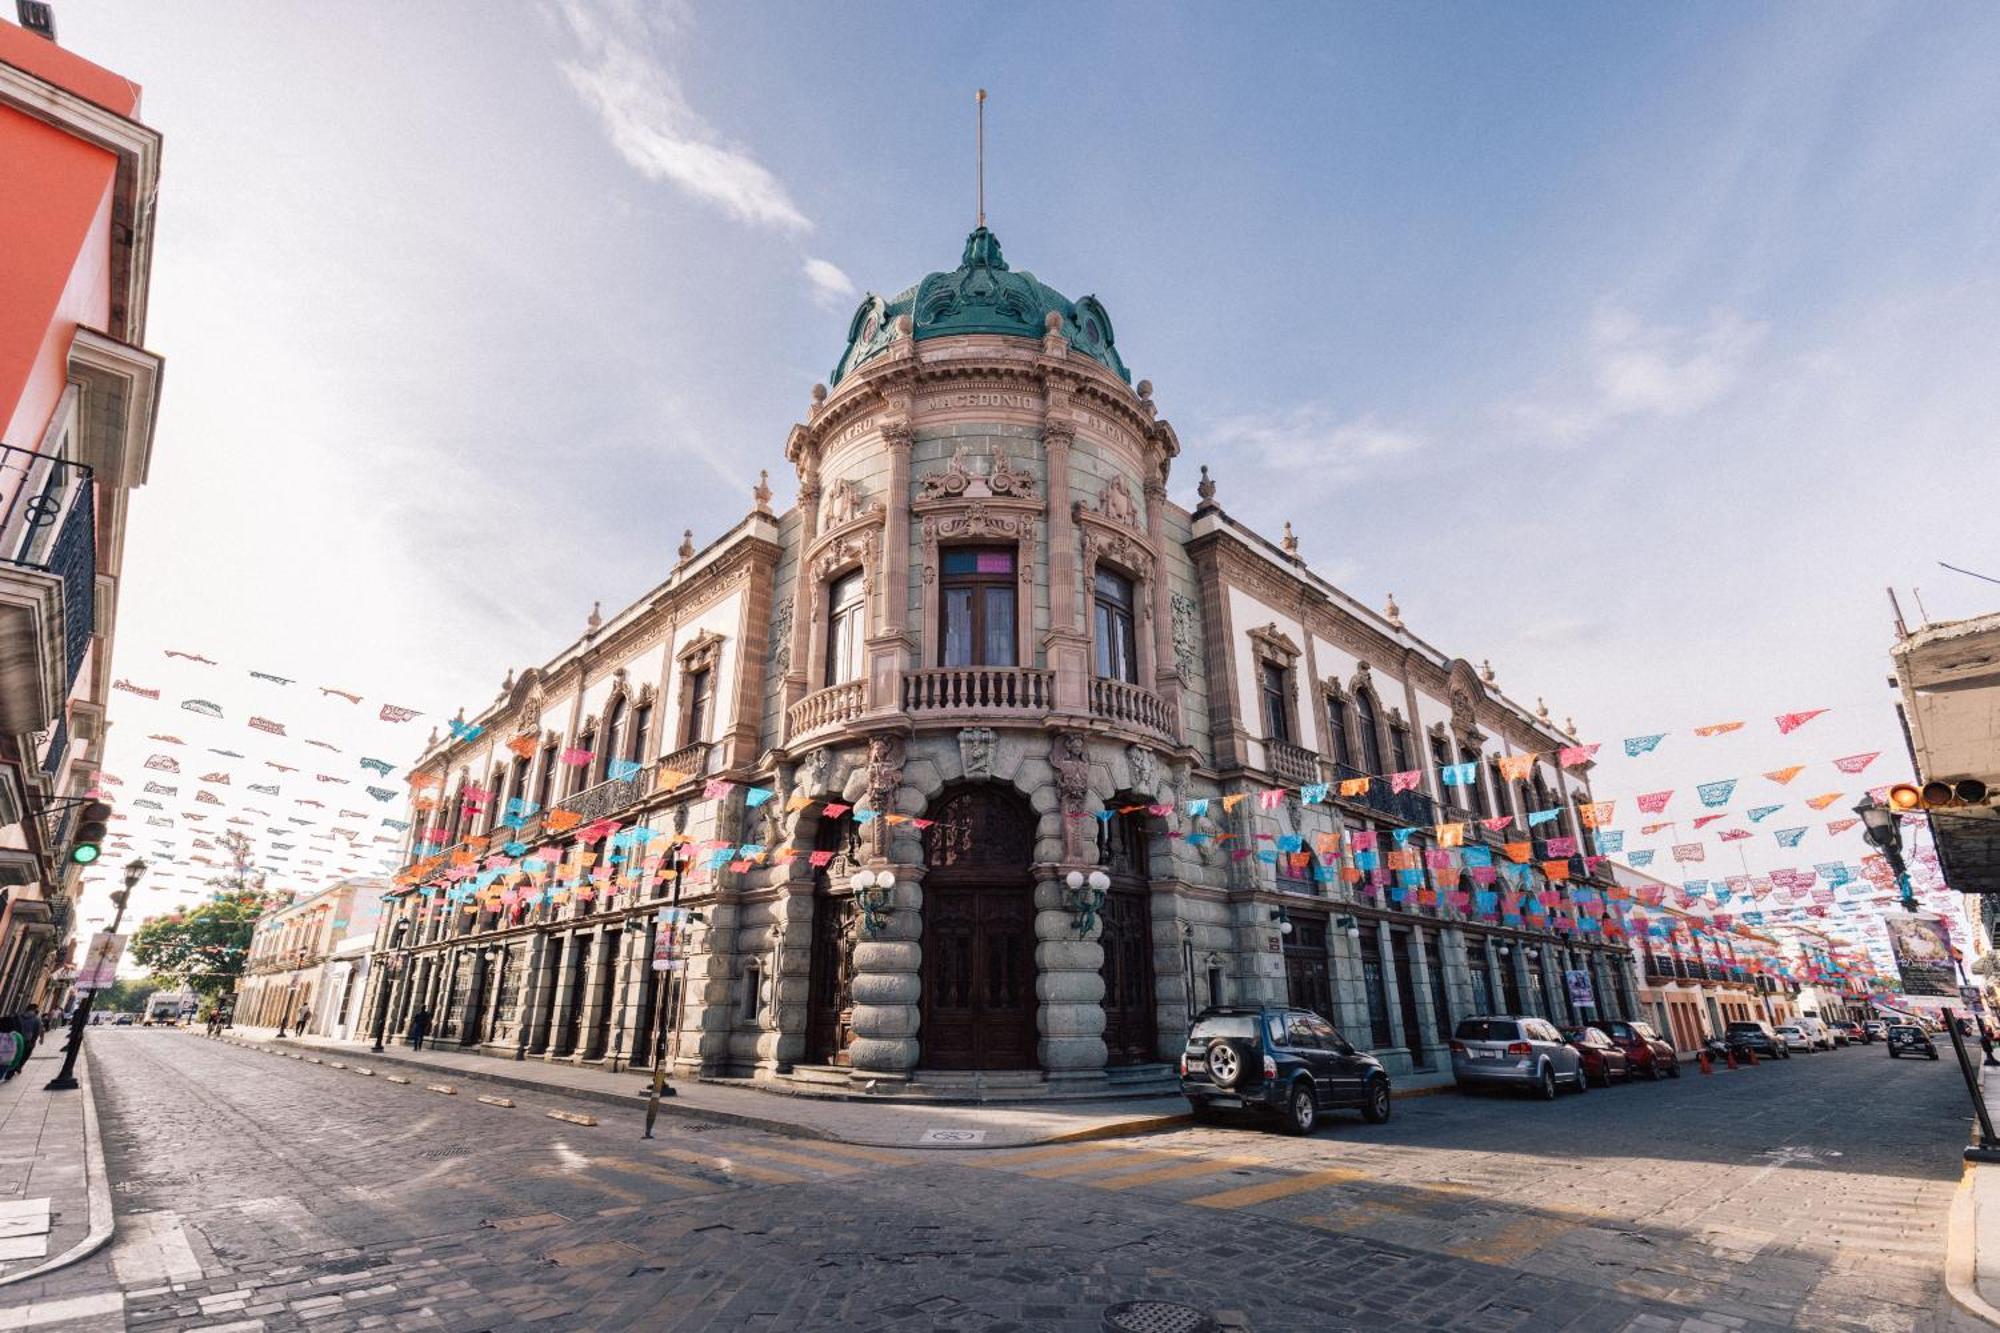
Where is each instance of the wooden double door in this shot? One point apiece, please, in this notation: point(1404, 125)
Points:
point(979, 1005)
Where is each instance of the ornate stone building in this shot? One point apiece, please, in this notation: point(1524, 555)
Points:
point(986, 620)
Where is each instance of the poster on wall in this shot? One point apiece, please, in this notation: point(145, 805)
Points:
point(1579, 989)
point(1923, 954)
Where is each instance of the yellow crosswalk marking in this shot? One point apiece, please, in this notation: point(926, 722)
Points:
point(1012, 1158)
point(1168, 1174)
point(721, 1149)
point(1513, 1242)
point(731, 1166)
point(673, 1178)
point(1279, 1189)
point(1110, 1163)
point(854, 1150)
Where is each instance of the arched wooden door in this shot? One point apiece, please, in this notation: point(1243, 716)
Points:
point(979, 1004)
point(1131, 1032)
point(835, 931)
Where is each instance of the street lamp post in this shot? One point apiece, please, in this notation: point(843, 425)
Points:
point(1879, 822)
point(66, 1080)
point(285, 1014)
point(382, 994)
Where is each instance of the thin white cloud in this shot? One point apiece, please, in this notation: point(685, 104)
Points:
point(638, 99)
point(1310, 441)
point(1631, 370)
point(830, 284)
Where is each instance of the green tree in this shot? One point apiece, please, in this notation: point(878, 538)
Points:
point(124, 995)
point(204, 947)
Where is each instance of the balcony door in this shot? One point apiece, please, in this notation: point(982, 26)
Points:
point(979, 1005)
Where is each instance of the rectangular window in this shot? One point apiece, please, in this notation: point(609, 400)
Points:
point(1336, 726)
point(847, 602)
point(1277, 718)
point(700, 687)
point(642, 723)
point(545, 781)
point(1117, 640)
point(977, 598)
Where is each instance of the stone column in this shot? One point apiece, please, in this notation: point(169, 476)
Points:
point(1420, 977)
point(888, 647)
point(1385, 948)
point(1067, 643)
point(1069, 983)
point(1166, 679)
point(616, 1054)
point(797, 680)
point(888, 970)
point(532, 983)
point(556, 1018)
point(791, 976)
point(602, 964)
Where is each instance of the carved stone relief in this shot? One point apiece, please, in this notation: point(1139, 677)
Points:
point(1187, 638)
point(1145, 770)
point(973, 476)
point(781, 636)
point(1115, 503)
point(975, 752)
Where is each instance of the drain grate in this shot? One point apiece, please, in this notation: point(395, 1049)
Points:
point(442, 1154)
point(1156, 1317)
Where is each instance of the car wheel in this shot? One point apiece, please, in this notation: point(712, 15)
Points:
point(1892, 1053)
point(1582, 1078)
point(1302, 1111)
point(1547, 1089)
point(1376, 1109)
point(1653, 1069)
point(1674, 1068)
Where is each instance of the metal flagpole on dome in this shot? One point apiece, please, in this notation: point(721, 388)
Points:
point(981, 102)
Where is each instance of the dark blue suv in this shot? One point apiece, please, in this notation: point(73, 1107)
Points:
point(1290, 1063)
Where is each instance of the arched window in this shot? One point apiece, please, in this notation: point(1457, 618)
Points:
point(1117, 639)
point(1371, 735)
point(846, 627)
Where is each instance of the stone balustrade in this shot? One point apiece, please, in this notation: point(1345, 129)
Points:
point(1293, 765)
point(978, 692)
point(825, 708)
point(1134, 706)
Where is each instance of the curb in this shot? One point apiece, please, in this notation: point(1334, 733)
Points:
point(103, 1218)
point(1961, 1253)
point(673, 1106)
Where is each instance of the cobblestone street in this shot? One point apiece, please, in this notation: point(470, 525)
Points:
point(261, 1191)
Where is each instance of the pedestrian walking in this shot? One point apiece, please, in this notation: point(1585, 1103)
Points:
point(11, 1052)
point(305, 1017)
point(419, 1025)
point(31, 1031)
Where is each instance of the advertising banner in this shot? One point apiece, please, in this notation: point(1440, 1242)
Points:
point(1579, 989)
point(1923, 954)
point(100, 961)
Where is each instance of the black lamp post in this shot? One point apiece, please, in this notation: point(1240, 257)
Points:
point(66, 1080)
point(1880, 824)
point(393, 954)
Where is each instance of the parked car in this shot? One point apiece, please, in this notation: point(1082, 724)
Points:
point(1602, 1058)
point(1289, 1063)
point(1515, 1050)
point(124, 1020)
point(1841, 1034)
point(1756, 1036)
point(1646, 1052)
point(1873, 1031)
point(1816, 1032)
point(1909, 1039)
point(1795, 1039)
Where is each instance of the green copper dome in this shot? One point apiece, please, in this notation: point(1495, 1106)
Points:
point(981, 295)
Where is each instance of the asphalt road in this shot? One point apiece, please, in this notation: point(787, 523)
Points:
point(259, 1191)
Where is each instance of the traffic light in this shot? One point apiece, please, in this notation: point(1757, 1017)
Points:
point(1937, 795)
point(90, 832)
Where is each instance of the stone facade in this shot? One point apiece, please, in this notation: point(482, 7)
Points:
point(285, 973)
point(983, 612)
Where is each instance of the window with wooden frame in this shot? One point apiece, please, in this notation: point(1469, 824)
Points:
point(1399, 746)
point(1271, 694)
point(846, 627)
point(545, 778)
point(1369, 724)
point(1116, 627)
point(1340, 737)
point(614, 737)
point(579, 777)
point(642, 726)
point(700, 670)
point(977, 598)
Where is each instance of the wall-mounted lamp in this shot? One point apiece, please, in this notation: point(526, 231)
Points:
point(871, 895)
point(1086, 897)
point(1281, 919)
point(1351, 926)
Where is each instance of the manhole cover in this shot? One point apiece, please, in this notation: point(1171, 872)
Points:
point(1156, 1317)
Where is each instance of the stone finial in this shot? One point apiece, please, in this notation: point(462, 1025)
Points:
point(1486, 670)
point(761, 492)
point(686, 551)
point(1291, 540)
point(903, 326)
point(507, 685)
point(819, 394)
point(1393, 613)
point(1205, 488)
point(1052, 322)
point(1569, 727)
point(434, 736)
point(595, 620)
point(1145, 388)
point(1541, 708)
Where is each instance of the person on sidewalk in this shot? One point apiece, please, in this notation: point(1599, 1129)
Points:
point(31, 1031)
point(419, 1025)
point(305, 1017)
point(11, 1050)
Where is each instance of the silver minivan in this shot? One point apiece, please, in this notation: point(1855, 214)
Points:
point(1515, 1050)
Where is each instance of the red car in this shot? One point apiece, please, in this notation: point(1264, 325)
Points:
point(1601, 1059)
point(1647, 1052)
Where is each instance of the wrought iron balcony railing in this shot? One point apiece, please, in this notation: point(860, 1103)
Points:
point(48, 527)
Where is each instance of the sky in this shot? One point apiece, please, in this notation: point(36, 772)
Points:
point(1635, 350)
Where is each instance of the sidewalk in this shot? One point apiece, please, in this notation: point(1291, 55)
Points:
point(871, 1124)
point(55, 1199)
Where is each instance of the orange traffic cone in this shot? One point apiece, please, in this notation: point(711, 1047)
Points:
point(1731, 1057)
point(1707, 1065)
point(1751, 1056)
